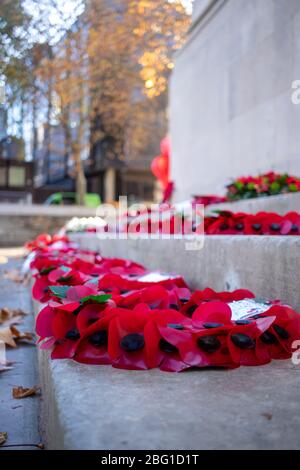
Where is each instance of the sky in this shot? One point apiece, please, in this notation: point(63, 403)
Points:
point(62, 13)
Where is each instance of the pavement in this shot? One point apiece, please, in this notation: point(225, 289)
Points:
point(18, 417)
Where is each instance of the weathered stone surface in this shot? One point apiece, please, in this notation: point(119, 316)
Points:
point(20, 223)
point(231, 111)
point(98, 407)
point(267, 265)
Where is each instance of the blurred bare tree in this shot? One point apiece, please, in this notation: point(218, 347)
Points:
point(105, 74)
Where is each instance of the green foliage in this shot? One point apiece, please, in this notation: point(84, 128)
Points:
point(268, 184)
point(274, 187)
point(99, 299)
point(293, 188)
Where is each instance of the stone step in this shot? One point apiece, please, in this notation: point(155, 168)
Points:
point(20, 223)
point(98, 407)
point(280, 204)
point(267, 265)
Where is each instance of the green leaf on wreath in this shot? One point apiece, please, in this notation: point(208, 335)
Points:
point(99, 299)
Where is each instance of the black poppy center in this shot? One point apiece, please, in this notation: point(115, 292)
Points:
point(294, 228)
point(275, 227)
point(191, 309)
point(176, 326)
point(212, 325)
point(224, 226)
point(167, 347)
point(99, 338)
point(239, 226)
point(268, 338)
point(282, 333)
point(132, 342)
point(209, 344)
point(174, 307)
point(242, 341)
point(73, 334)
point(256, 227)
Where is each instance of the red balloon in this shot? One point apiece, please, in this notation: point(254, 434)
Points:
point(160, 169)
point(160, 164)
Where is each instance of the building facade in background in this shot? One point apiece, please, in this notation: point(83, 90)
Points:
point(16, 175)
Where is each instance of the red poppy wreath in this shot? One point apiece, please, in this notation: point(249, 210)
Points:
point(223, 222)
point(113, 311)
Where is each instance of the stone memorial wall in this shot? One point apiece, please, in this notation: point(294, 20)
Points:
point(231, 108)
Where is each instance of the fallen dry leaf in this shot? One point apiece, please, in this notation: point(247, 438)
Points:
point(268, 416)
point(9, 316)
point(3, 437)
point(21, 335)
point(23, 392)
point(10, 333)
point(6, 336)
point(14, 275)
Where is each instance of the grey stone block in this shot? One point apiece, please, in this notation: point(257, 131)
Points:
point(231, 112)
point(98, 407)
point(280, 204)
point(21, 223)
point(268, 265)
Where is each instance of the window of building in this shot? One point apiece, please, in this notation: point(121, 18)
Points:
point(16, 176)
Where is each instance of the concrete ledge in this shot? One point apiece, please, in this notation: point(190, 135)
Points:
point(267, 265)
point(281, 204)
point(40, 209)
point(20, 223)
point(98, 407)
